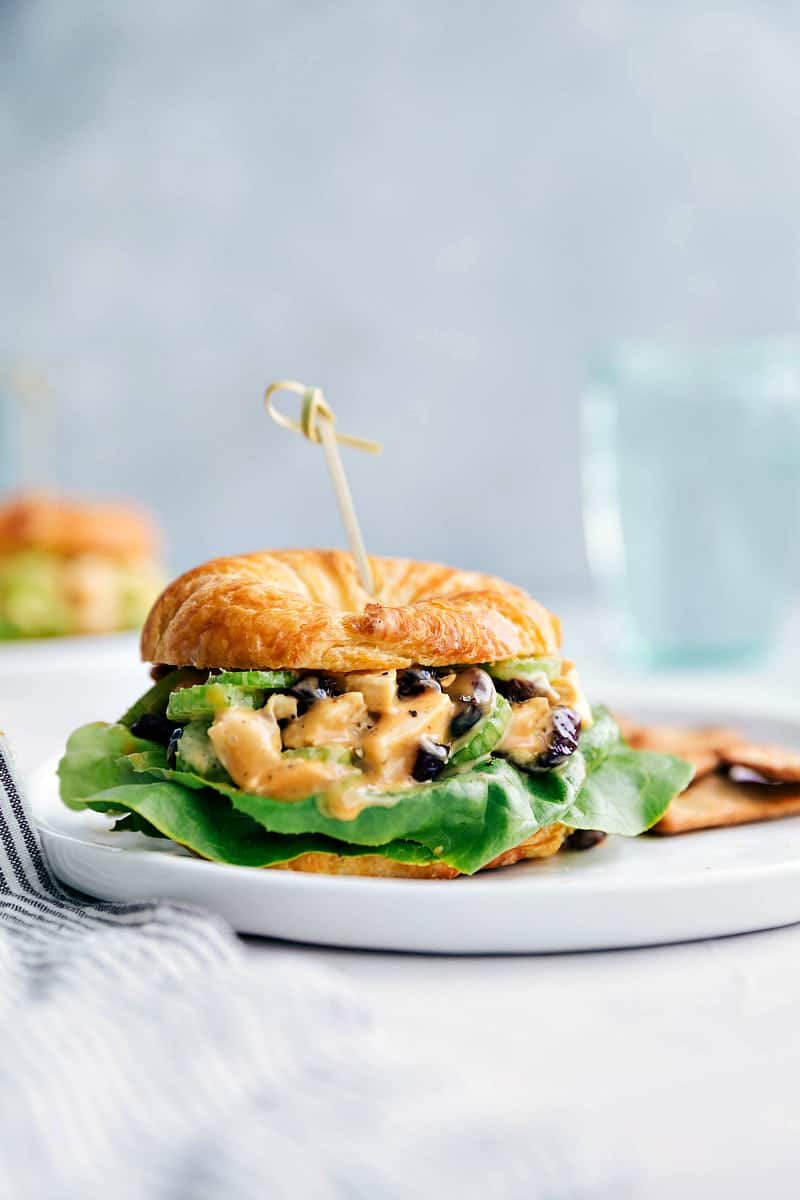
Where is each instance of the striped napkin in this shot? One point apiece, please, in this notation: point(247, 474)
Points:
point(147, 1053)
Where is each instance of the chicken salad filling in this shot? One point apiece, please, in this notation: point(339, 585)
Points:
point(289, 734)
point(455, 765)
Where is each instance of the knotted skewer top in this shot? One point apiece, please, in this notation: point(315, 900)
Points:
point(318, 424)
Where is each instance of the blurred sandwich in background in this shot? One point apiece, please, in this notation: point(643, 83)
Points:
point(70, 566)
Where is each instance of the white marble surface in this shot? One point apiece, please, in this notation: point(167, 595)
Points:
point(652, 1072)
point(644, 1073)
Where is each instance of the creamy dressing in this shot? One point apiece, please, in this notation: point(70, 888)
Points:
point(296, 778)
point(345, 801)
point(390, 748)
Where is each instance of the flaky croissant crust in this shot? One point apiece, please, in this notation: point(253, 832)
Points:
point(306, 608)
point(542, 844)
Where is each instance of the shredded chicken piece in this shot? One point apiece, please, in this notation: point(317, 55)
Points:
point(379, 688)
point(529, 729)
point(282, 707)
point(337, 721)
point(246, 741)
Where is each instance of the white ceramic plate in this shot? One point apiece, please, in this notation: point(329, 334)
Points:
point(80, 650)
point(622, 893)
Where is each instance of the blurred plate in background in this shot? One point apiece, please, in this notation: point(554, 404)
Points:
point(84, 651)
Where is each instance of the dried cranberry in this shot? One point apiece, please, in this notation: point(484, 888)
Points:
point(463, 721)
point(563, 739)
point(584, 839)
point(311, 688)
point(416, 680)
point(155, 729)
point(430, 761)
point(472, 684)
point(517, 691)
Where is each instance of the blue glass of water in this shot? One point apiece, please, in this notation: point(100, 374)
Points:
point(691, 470)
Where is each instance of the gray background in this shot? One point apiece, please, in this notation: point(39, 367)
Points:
point(434, 210)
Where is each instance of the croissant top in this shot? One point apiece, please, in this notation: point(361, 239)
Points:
point(306, 608)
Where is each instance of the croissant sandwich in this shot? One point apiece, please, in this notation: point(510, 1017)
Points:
point(427, 731)
point(69, 566)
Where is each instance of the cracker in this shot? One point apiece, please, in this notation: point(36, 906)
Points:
point(703, 748)
point(715, 802)
point(773, 762)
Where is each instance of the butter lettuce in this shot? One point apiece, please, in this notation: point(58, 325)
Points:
point(98, 756)
point(215, 830)
point(465, 819)
point(626, 791)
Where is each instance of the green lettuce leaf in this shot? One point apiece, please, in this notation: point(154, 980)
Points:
point(211, 827)
point(628, 791)
point(97, 757)
point(464, 821)
point(131, 822)
point(600, 738)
